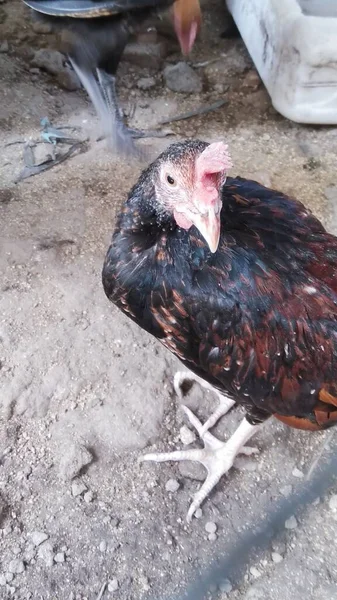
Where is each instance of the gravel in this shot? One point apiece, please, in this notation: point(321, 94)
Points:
point(78, 488)
point(38, 537)
point(255, 572)
point(298, 473)
point(60, 557)
point(146, 83)
point(40, 27)
point(211, 527)
point(113, 585)
point(4, 47)
point(88, 496)
point(74, 461)
point(286, 490)
point(333, 503)
point(182, 78)
point(276, 557)
point(48, 60)
point(68, 80)
point(225, 586)
point(172, 485)
point(16, 566)
point(331, 193)
point(291, 523)
point(186, 435)
point(45, 553)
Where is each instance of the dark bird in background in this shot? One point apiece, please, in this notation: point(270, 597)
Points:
point(95, 33)
point(240, 282)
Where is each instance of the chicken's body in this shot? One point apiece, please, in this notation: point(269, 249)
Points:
point(258, 318)
point(95, 33)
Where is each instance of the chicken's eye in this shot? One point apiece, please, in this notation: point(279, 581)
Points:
point(170, 180)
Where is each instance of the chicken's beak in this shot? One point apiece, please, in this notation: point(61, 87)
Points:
point(209, 225)
point(187, 21)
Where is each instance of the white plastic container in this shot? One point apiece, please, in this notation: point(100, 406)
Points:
point(293, 44)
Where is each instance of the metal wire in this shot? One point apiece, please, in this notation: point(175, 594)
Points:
point(233, 563)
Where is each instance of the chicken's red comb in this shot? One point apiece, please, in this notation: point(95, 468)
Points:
point(214, 159)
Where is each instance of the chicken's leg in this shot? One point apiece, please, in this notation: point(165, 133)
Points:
point(216, 456)
point(108, 86)
point(182, 378)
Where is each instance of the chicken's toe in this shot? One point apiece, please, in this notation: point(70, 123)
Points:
point(182, 383)
point(216, 456)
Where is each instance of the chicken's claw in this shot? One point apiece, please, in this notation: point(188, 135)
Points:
point(216, 456)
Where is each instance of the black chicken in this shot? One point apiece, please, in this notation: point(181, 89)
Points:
point(95, 33)
point(239, 282)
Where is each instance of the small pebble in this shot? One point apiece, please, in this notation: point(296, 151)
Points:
point(225, 586)
point(78, 488)
point(279, 547)
point(291, 523)
point(4, 47)
point(103, 546)
point(7, 530)
point(40, 27)
point(3, 579)
point(212, 537)
point(59, 557)
point(16, 566)
point(78, 457)
point(113, 585)
point(286, 490)
point(182, 78)
point(172, 485)
point(276, 557)
point(88, 497)
point(255, 572)
point(198, 513)
point(9, 577)
point(146, 83)
point(144, 582)
point(298, 473)
point(45, 552)
point(211, 527)
point(333, 503)
point(38, 537)
point(28, 470)
point(186, 435)
point(254, 594)
point(68, 80)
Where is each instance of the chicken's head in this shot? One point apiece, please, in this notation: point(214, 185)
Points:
point(188, 184)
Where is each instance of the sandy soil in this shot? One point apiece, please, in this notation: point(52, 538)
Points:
point(84, 391)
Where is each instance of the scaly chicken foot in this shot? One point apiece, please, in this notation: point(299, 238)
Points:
point(107, 83)
point(182, 378)
point(216, 456)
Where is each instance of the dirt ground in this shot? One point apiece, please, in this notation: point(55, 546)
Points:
point(84, 391)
